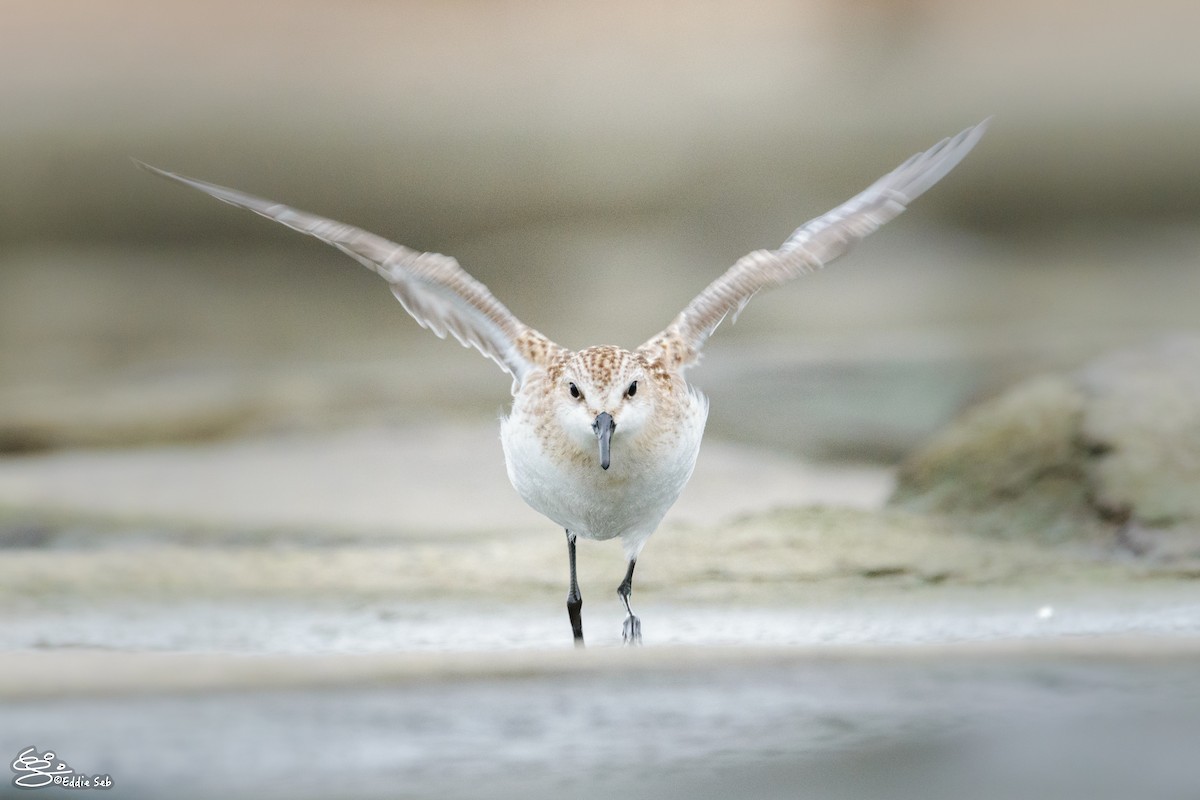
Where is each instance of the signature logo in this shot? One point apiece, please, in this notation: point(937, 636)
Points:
point(33, 770)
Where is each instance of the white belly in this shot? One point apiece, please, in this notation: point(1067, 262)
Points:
point(627, 500)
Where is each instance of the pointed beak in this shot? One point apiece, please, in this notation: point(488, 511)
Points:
point(603, 426)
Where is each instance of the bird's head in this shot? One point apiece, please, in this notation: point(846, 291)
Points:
point(605, 398)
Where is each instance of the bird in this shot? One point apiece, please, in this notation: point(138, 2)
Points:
point(601, 441)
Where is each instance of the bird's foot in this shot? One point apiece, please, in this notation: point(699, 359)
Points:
point(631, 631)
point(574, 608)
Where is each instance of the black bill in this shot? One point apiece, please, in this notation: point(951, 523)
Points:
point(603, 426)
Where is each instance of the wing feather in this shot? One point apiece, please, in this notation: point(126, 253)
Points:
point(433, 288)
point(809, 248)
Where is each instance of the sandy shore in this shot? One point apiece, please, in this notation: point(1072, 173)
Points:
point(260, 617)
point(223, 643)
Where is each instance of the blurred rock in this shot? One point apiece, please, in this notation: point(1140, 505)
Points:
point(1143, 425)
point(1107, 454)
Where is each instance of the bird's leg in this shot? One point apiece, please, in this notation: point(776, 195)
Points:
point(631, 631)
point(574, 599)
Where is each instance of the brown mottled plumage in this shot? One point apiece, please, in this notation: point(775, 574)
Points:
point(573, 410)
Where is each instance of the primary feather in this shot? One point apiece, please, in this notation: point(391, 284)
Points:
point(810, 247)
point(433, 288)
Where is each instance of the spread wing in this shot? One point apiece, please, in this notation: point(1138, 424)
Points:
point(433, 288)
point(809, 248)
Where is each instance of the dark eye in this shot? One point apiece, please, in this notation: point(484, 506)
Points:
point(574, 391)
point(632, 389)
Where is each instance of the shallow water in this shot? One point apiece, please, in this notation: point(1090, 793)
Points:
point(949, 691)
point(869, 688)
point(947, 615)
point(943, 724)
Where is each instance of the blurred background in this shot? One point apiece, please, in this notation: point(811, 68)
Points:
point(219, 437)
point(595, 168)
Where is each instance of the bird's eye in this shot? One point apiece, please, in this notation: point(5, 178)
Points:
point(632, 390)
point(574, 391)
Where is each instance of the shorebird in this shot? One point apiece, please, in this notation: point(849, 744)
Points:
point(601, 441)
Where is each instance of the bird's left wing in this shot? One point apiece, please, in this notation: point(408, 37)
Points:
point(433, 288)
point(809, 248)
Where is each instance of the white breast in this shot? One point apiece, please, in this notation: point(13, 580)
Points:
point(627, 500)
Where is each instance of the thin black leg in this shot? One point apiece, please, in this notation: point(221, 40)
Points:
point(631, 631)
point(574, 599)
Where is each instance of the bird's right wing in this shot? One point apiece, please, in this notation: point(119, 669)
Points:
point(433, 288)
